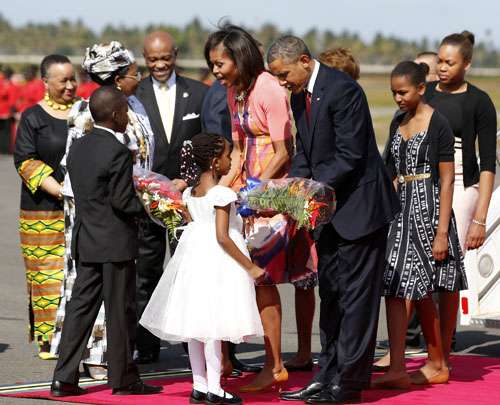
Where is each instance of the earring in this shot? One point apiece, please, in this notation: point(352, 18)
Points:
point(118, 87)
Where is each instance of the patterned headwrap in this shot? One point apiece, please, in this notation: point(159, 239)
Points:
point(104, 60)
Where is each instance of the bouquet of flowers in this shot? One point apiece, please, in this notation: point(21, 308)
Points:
point(161, 199)
point(308, 202)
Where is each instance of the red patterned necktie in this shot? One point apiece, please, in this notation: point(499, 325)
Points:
point(308, 106)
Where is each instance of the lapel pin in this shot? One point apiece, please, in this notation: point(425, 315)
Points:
point(185, 95)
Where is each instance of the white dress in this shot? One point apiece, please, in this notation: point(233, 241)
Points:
point(204, 294)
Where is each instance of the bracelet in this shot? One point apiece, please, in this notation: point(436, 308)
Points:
point(60, 195)
point(475, 221)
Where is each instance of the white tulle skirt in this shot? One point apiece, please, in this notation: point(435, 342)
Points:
point(204, 294)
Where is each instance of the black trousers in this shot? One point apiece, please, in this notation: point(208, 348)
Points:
point(115, 283)
point(152, 250)
point(350, 285)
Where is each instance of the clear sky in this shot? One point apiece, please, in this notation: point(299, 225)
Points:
point(411, 19)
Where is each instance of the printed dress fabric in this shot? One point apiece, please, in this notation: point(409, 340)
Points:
point(191, 299)
point(139, 139)
point(39, 148)
point(411, 270)
point(263, 117)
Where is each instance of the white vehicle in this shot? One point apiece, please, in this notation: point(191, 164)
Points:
point(480, 304)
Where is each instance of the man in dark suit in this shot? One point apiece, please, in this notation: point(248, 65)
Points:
point(336, 145)
point(104, 244)
point(215, 117)
point(173, 104)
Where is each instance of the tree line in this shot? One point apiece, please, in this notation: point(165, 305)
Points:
point(72, 37)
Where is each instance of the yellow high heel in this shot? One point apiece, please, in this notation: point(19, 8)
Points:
point(279, 378)
point(440, 377)
point(47, 356)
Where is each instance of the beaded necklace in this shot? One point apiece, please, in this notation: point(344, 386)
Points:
point(56, 106)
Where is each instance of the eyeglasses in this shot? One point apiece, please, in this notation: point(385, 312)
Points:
point(137, 76)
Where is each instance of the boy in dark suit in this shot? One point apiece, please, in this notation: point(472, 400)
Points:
point(105, 245)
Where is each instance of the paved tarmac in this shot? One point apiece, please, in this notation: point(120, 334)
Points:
point(18, 359)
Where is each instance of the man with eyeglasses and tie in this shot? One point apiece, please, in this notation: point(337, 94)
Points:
point(173, 104)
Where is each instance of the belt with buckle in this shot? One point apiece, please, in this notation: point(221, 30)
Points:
point(413, 177)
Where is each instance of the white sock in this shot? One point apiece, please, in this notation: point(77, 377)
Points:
point(197, 360)
point(213, 356)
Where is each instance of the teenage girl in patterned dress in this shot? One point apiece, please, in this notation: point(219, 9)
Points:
point(423, 251)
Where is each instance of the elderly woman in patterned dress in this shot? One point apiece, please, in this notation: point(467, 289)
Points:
point(109, 64)
point(40, 142)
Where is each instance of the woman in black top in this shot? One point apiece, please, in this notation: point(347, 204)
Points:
point(472, 117)
point(40, 146)
point(423, 252)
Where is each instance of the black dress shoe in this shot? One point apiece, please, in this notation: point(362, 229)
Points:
point(137, 388)
point(61, 389)
point(213, 399)
point(302, 394)
point(304, 367)
point(236, 373)
point(336, 395)
point(239, 365)
point(147, 358)
point(197, 397)
point(379, 368)
point(243, 367)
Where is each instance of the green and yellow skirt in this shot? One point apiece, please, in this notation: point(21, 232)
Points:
point(42, 247)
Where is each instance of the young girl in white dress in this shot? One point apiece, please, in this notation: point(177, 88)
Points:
point(206, 294)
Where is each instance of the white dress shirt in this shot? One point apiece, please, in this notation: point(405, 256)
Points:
point(108, 130)
point(165, 98)
point(312, 79)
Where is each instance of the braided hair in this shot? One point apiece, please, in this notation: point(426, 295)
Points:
point(197, 155)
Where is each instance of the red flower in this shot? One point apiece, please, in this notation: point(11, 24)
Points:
point(314, 218)
point(154, 205)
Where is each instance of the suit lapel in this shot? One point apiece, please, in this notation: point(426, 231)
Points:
point(182, 96)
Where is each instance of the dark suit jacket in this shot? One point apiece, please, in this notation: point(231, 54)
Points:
point(100, 169)
point(188, 100)
point(215, 116)
point(339, 148)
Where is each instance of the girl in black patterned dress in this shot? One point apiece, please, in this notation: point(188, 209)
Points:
point(423, 252)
